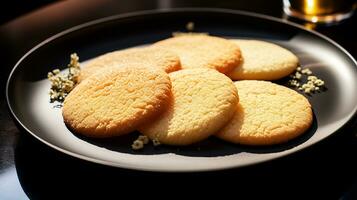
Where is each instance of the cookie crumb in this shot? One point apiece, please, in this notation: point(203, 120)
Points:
point(305, 81)
point(62, 84)
point(140, 142)
point(298, 75)
point(137, 145)
point(306, 71)
point(156, 142)
point(190, 26)
point(319, 82)
point(143, 138)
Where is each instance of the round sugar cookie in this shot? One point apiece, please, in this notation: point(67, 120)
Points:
point(263, 61)
point(116, 101)
point(203, 51)
point(267, 114)
point(144, 56)
point(204, 100)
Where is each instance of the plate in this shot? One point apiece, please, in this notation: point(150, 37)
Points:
point(28, 100)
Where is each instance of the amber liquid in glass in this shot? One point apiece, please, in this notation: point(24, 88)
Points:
point(319, 10)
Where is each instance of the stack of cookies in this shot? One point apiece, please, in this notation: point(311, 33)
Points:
point(180, 91)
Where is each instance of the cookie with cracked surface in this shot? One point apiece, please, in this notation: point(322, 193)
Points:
point(267, 114)
point(203, 51)
point(204, 100)
point(263, 61)
point(116, 101)
point(141, 56)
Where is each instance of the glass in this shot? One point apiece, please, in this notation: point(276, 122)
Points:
point(320, 11)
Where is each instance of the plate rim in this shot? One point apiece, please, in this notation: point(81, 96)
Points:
point(158, 11)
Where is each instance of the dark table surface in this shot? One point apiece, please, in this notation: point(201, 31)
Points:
point(30, 169)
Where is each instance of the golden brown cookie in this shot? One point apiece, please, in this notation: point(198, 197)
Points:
point(263, 61)
point(203, 51)
point(144, 56)
point(267, 114)
point(116, 101)
point(204, 100)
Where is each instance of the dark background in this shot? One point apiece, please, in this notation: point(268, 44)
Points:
point(29, 169)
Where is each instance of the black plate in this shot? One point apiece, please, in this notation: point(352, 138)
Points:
point(28, 100)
